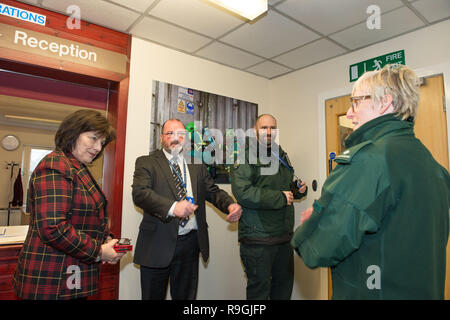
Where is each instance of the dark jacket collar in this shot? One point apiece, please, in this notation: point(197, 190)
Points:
point(379, 127)
point(252, 148)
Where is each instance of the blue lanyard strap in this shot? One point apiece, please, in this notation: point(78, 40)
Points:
point(174, 169)
point(283, 162)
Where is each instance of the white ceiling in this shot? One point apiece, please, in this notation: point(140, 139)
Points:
point(293, 34)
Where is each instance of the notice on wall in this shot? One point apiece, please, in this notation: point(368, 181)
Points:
point(185, 100)
point(186, 94)
point(190, 108)
point(181, 107)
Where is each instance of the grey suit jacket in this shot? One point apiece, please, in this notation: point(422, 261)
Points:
point(154, 192)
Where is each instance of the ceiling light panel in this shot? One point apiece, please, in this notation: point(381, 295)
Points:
point(191, 15)
point(249, 9)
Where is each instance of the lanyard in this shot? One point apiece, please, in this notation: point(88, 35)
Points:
point(174, 169)
point(283, 162)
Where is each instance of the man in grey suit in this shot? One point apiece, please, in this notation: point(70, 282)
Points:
point(173, 230)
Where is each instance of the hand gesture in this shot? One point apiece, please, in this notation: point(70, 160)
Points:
point(108, 254)
point(302, 188)
point(289, 197)
point(234, 212)
point(305, 215)
point(184, 209)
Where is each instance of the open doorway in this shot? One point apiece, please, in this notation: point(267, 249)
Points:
point(31, 114)
point(34, 124)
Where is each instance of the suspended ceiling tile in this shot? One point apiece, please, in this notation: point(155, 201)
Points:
point(273, 2)
point(268, 69)
point(433, 10)
point(270, 35)
point(169, 35)
point(328, 16)
point(196, 15)
point(138, 5)
point(98, 12)
point(227, 55)
point(392, 24)
point(311, 53)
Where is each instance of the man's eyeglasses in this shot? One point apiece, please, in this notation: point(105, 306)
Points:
point(356, 100)
point(172, 133)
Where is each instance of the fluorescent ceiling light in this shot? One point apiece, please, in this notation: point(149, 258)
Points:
point(31, 118)
point(249, 9)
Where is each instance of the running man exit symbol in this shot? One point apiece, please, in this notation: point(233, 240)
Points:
point(357, 70)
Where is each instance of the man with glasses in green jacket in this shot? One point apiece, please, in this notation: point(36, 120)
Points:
point(382, 221)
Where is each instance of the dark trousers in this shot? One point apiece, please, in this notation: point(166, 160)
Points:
point(269, 270)
point(182, 273)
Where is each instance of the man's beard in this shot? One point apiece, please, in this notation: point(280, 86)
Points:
point(174, 148)
point(265, 143)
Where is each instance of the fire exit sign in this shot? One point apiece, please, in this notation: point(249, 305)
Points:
point(356, 70)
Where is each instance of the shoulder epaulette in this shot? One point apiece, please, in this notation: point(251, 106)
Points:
point(347, 155)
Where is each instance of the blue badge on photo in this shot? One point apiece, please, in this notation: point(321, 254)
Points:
point(190, 199)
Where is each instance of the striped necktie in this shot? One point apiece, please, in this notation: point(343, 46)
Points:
point(179, 185)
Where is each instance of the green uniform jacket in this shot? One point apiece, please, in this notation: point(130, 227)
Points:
point(266, 217)
point(382, 221)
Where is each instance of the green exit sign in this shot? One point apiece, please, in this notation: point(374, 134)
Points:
point(356, 70)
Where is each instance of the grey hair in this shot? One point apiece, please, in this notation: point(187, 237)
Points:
point(397, 80)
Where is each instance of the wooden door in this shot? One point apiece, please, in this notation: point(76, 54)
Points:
point(335, 109)
point(430, 128)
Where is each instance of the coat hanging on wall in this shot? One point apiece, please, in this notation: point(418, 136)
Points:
point(18, 191)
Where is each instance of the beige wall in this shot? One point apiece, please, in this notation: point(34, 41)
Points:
point(223, 277)
point(297, 100)
point(27, 136)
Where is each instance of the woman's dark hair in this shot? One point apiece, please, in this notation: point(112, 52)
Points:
point(82, 121)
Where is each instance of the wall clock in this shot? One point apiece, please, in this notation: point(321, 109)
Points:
point(10, 142)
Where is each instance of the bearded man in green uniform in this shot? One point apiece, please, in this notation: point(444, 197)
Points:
point(263, 186)
point(382, 221)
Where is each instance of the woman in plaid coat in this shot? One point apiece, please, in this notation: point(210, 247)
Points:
point(69, 225)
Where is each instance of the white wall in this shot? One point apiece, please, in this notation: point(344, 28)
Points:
point(297, 101)
point(223, 277)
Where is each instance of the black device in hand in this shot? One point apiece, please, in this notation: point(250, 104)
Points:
point(295, 185)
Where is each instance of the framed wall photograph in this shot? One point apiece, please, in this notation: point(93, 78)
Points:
point(216, 125)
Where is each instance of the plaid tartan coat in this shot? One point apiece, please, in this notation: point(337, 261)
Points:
point(67, 228)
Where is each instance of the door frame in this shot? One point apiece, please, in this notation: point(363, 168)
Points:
point(443, 69)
